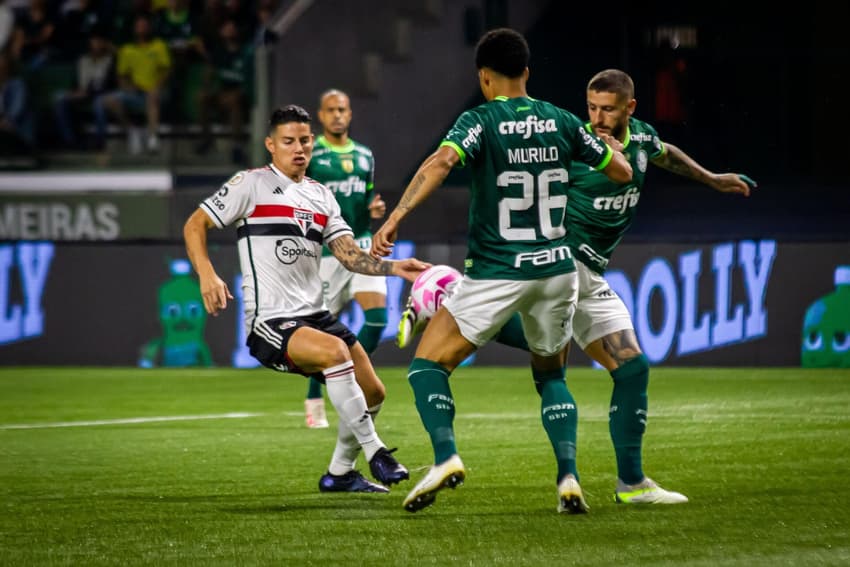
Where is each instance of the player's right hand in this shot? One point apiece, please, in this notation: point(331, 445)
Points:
point(382, 240)
point(409, 268)
point(215, 294)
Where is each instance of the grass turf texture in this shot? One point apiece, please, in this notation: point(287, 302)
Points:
point(762, 454)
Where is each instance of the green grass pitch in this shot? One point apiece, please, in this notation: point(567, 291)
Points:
point(229, 475)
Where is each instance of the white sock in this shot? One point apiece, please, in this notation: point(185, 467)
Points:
point(347, 448)
point(350, 404)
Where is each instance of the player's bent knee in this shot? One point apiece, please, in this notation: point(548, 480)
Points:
point(334, 353)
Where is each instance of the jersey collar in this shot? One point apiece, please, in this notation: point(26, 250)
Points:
point(503, 98)
point(322, 141)
point(280, 173)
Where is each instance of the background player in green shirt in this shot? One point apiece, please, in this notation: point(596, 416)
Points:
point(518, 150)
point(598, 215)
point(347, 168)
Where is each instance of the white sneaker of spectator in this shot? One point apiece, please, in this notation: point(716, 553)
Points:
point(134, 141)
point(153, 143)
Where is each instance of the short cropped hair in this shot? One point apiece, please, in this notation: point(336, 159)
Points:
point(613, 81)
point(287, 114)
point(503, 50)
point(329, 92)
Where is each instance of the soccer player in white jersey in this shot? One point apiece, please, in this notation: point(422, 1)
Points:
point(283, 218)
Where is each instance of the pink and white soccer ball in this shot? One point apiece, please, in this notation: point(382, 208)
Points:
point(431, 287)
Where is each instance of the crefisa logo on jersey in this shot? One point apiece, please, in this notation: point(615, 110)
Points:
point(288, 251)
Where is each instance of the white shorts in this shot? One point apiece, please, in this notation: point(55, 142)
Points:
point(339, 285)
point(482, 307)
point(599, 311)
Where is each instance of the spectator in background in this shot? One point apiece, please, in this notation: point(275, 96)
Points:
point(95, 74)
point(7, 24)
point(242, 13)
point(78, 21)
point(264, 35)
point(142, 67)
point(32, 42)
point(16, 121)
point(671, 78)
point(124, 20)
point(177, 25)
point(227, 87)
point(210, 20)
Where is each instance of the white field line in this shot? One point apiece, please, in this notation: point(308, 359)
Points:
point(587, 415)
point(131, 420)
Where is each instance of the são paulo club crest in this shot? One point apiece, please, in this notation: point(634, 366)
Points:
point(304, 218)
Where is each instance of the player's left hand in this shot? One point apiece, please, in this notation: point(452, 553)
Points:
point(378, 207)
point(734, 183)
point(409, 268)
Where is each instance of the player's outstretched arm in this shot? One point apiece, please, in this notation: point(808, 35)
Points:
point(677, 161)
point(213, 289)
point(356, 260)
point(428, 178)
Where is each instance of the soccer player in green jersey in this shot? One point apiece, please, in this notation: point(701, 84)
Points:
point(598, 214)
point(347, 168)
point(518, 150)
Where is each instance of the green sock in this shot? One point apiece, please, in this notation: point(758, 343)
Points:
point(511, 334)
point(371, 331)
point(627, 416)
point(430, 383)
point(560, 418)
point(314, 390)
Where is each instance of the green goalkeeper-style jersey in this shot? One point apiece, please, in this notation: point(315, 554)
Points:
point(519, 151)
point(600, 211)
point(349, 172)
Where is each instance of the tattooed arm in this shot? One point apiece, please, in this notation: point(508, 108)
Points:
point(356, 260)
point(675, 160)
point(428, 178)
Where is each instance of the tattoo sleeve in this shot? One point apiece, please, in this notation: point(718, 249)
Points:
point(356, 260)
point(678, 162)
point(412, 191)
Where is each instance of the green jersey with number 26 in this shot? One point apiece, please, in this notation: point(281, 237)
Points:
point(519, 151)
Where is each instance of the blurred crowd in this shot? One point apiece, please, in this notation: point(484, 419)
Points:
point(71, 68)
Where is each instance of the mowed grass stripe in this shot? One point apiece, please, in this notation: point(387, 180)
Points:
point(762, 453)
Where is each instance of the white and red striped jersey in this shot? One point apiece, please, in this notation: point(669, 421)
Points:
point(281, 226)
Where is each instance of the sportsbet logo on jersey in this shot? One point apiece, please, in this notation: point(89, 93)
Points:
point(288, 251)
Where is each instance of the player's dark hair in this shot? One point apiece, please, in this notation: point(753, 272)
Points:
point(613, 81)
point(287, 114)
point(503, 50)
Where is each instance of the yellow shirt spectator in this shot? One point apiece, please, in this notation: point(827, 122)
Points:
point(145, 64)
